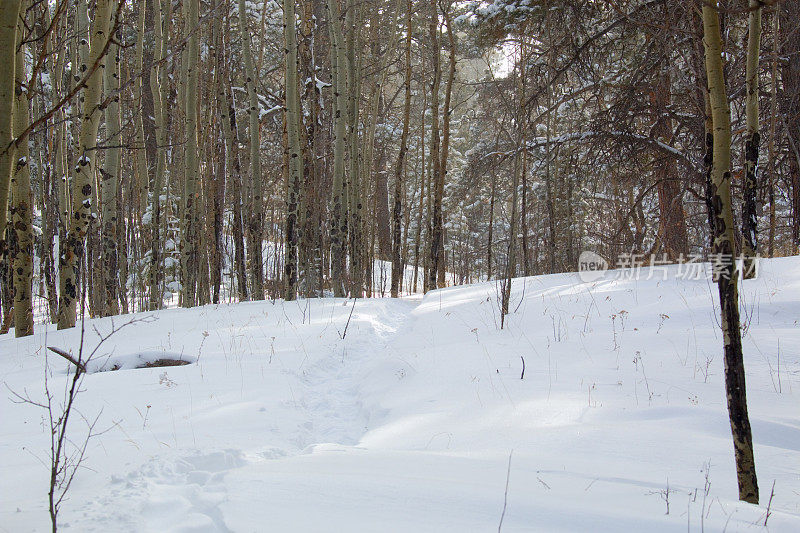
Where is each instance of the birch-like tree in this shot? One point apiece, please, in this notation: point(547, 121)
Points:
point(22, 207)
point(355, 201)
point(9, 13)
point(724, 247)
point(752, 142)
point(256, 224)
point(397, 211)
point(159, 87)
point(191, 192)
point(294, 151)
point(338, 210)
point(85, 167)
point(110, 180)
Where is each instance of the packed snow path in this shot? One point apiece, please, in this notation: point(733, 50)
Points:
point(401, 415)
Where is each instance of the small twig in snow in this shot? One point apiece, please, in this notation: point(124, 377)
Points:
point(344, 334)
point(505, 495)
point(769, 505)
point(68, 357)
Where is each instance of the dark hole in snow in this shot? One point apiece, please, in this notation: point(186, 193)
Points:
point(136, 360)
point(153, 364)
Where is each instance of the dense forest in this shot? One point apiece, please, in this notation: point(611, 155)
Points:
point(163, 152)
point(177, 153)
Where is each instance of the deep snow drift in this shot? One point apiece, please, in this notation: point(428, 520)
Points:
point(291, 419)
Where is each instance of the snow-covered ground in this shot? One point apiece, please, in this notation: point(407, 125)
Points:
point(413, 416)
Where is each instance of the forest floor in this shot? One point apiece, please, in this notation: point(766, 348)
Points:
point(413, 415)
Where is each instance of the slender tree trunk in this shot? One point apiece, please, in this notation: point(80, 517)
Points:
point(397, 213)
point(439, 186)
point(205, 200)
point(672, 220)
point(422, 198)
point(511, 265)
point(491, 227)
point(353, 186)
point(294, 150)
point(234, 172)
point(142, 176)
point(753, 139)
point(309, 262)
point(7, 288)
point(708, 163)
point(190, 234)
point(256, 222)
point(49, 214)
point(790, 77)
point(22, 207)
point(218, 176)
point(9, 12)
point(159, 87)
point(374, 176)
point(524, 158)
point(218, 206)
point(110, 181)
point(773, 119)
point(727, 276)
point(436, 253)
point(57, 186)
point(381, 227)
point(550, 199)
point(83, 174)
point(147, 102)
point(338, 223)
point(232, 163)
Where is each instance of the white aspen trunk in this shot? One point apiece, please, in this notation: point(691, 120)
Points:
point(295, 154)
point(84, 170)
point(727, 274)
point(9, 12)
point(773, 119)
point(256, 220)
point(22, 207)
point(234, 177)
point(190, 234)
point(353, 185)
point(338, 228)
point(110, 181)
point(159, 87)
point(141, 174)
point(752, 142)
point(397, 213)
